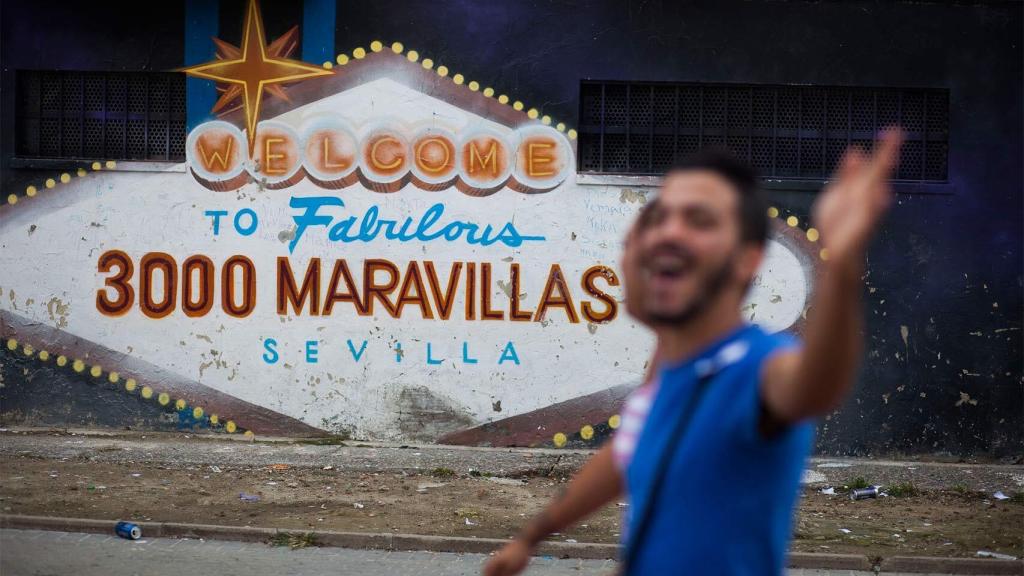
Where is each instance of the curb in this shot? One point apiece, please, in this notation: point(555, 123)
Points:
point(586, 551)
point(925, 564)
point(820, 561)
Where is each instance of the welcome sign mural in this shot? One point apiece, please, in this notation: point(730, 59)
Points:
point(378, 249)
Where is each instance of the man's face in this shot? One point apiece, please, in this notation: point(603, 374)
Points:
point(688, 247)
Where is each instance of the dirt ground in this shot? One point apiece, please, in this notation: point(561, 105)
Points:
point(933, 523)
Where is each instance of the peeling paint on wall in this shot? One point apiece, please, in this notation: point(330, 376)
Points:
point(512, 309)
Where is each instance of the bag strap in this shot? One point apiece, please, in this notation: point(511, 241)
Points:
point(643, 521)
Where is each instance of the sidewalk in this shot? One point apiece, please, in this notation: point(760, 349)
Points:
point(360, 457)
point(37, 552)
point(940, 510)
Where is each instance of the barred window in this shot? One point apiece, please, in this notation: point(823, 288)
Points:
point(786, 132)
point(100, 115)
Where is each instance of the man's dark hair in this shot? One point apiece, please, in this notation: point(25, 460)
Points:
point(753, 204)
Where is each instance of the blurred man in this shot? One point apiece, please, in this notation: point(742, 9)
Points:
point(711, 448)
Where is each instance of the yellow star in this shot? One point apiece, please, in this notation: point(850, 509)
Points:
point(280, 48)
point(254, 70)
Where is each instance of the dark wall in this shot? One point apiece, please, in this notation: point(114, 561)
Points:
point(103, 35)
point(44, 395)
point(92, 36)
point(946, 270)
point(944, 363)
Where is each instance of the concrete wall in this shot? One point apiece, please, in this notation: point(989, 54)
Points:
point(473, 327)
point(943, 372)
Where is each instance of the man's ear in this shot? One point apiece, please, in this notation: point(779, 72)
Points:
point(749, 261)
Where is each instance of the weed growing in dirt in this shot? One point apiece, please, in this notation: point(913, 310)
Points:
point(294, 540)
point(966, 493)
point(858, 483)
point(1017, 498)
point(903, 490)
point(467, 513)
point(442, 472)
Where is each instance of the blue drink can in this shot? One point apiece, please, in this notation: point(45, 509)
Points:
point(128, 530)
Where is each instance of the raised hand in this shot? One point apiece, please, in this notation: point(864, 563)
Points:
point(848, 211)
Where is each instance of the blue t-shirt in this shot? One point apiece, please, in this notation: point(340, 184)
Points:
point(726, 503)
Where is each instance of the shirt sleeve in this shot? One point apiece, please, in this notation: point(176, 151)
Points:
point(752, 407)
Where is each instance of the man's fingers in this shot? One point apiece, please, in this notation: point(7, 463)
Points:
point(886, 155)
point(851, 162)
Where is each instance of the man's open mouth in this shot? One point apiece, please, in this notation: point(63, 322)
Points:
point(668, 266)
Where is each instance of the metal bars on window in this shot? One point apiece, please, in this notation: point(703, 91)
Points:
point(100, 115)
point(786, 132)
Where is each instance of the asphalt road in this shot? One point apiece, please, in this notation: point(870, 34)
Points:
point(39, 553)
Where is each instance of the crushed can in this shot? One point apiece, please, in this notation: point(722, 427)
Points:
point(128, 530)
point(864, 493)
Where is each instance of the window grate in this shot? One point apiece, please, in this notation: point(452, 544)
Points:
point(100, 115)
point(786, 132)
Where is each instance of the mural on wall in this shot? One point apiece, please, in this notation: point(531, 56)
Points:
point(380, 248)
